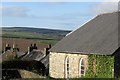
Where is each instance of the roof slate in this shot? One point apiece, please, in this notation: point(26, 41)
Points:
point(98, 36)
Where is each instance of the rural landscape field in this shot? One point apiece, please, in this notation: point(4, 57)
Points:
point(40, 34)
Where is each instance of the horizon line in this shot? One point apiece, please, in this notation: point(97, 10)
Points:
point(35, 27)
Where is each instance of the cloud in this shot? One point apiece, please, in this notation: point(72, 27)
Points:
point(19, 11)
point(105, 7)
point(14, 11)
point(77, 14)
point(66, 16)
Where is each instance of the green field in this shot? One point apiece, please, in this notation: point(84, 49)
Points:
point(27, 35)
point(42, 35)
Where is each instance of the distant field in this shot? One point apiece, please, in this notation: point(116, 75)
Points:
point(42, 35)
point(34, 36)
point(28, 35)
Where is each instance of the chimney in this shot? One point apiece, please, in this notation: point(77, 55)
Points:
point(34, 46)
point(15, 49)
point(31, 45)
point(46, 49)
point(13, 46)
point(7, 47)
point(28, 50)
point(49, 46)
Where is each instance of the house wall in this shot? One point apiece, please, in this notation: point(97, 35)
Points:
point(57, 64)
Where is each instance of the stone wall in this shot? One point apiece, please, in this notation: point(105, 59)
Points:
point(57, 64)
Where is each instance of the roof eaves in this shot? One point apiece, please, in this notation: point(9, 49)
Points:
point(67, 52)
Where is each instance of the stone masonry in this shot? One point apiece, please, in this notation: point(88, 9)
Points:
point(57, 64)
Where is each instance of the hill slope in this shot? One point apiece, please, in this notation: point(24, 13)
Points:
point(36, 30)
point(44, 35)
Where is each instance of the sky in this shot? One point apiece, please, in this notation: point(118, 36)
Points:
point(52, 15)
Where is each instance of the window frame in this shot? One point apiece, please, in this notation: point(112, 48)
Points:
point(66, 73)
point(81, 65)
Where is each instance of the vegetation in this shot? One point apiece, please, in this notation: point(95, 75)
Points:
point(8, 56)
point(43, 35)
point(33, 66)
point(53, 42)
point(28, 35)
point(29, 74)
point(104, 66)
point(37, 37)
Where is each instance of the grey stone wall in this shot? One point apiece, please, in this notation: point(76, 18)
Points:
point(57, 64)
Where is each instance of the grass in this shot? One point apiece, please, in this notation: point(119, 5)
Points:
point(29, 34)
point(44, 38)
point(25, 35)
point(53, 42)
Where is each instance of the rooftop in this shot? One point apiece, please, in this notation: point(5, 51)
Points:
point(98, 36)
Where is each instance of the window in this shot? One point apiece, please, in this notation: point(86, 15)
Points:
point(81, 68)
point(66, 67)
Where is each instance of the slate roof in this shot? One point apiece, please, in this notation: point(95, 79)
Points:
point(34, 55)
point(20, 54)
point(37, 56)
point(45, 61)
point(98, 36)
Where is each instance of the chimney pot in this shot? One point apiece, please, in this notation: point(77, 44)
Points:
point(34, 44)
point(13, 45)
point(31, 45)
point(49, 46)
point(7, 45)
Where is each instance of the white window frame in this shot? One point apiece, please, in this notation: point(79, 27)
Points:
point(66, 71)
point(81, 65)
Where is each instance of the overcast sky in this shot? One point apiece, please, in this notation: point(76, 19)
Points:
point(54, 15)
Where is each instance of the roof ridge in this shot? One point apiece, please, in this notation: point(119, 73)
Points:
point(108, 13)
point(83, 24)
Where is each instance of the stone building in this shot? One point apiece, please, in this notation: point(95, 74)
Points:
point(90, 51)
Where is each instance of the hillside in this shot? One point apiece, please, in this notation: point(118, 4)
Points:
point(36, 30)
point(41, 34)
